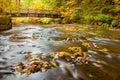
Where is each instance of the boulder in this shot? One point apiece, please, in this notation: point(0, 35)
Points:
point(5, 22)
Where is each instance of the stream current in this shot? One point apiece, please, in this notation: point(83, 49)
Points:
point(48, 39)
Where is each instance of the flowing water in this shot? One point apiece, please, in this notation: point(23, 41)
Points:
point(48, 39)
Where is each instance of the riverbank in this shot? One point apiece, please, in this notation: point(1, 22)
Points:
point(89, 26)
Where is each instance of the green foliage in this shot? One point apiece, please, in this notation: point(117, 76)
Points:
point(97, 18)
point(5, 4)
point(43, 4)
point(45, 20)
point(76, 16)
point(114, 22)
point(98, 12)
point(65, 20)
point(27, 3)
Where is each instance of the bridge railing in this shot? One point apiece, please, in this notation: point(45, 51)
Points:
point(26, 10)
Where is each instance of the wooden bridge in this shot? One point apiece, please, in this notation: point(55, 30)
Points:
point(34, 13)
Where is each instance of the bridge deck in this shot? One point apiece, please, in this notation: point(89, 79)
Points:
point(34, 13)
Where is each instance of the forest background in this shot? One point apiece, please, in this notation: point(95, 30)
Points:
point(105, 13)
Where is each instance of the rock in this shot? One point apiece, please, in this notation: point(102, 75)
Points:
point(5, 22)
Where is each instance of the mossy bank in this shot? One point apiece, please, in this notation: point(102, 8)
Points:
point(5, 22)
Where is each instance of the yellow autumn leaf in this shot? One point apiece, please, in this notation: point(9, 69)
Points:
point(26, 70)
point(98, 61)
point(45, 64)
point(78, 53)
point(25, 74)
point(105, 49)
point(61, 54)
point(28, 54)
point(72, 56)
point(18, 69)
point(38, 66)
point(52, 55)
point(53, 63)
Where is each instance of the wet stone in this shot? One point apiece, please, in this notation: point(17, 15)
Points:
point(33, 45)
point(4, 58)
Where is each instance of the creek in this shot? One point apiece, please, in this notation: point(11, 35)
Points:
point(103, 65)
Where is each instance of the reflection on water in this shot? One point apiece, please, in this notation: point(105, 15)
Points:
point(35, 38)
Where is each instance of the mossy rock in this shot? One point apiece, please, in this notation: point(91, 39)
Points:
point(5, 19)
point(5, 27)
point(1, 10)
point(5, 22)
